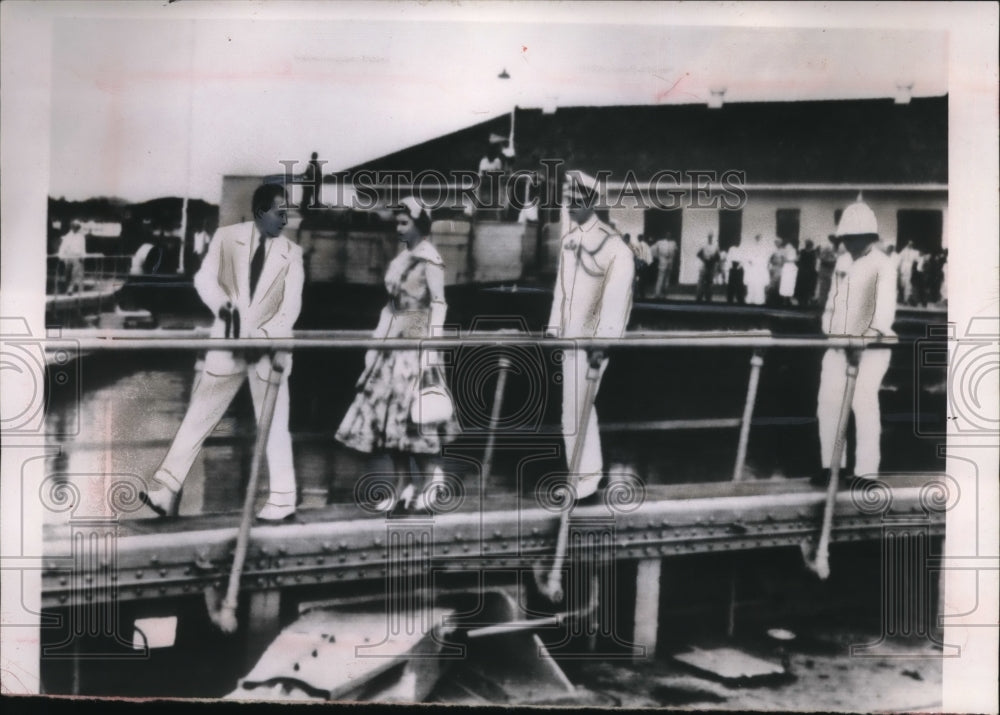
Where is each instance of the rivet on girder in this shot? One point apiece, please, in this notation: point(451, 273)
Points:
point(342, 559)
point(378, 542)
point(62, 598)
point(496, 535)
point(326, 546)
point(187, 571)
point(279, 563)
point(320, 560)
point(62, 581)
point(163, 590)
point(363, 556)
point(138, 574)
point(445, 550)
point(282, 550)
point(465, 548)
point(154, 559)
point(163, 572)
point(342, 545)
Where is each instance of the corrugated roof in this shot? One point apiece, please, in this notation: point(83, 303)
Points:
point(829, 141)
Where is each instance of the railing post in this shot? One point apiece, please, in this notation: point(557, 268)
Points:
point(495, 416)
point(756, 361)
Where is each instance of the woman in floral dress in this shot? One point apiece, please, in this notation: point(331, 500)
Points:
point(379, 419)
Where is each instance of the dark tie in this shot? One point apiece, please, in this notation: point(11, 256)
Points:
point(257, 264)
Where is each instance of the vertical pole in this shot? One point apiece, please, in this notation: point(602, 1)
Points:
point(647, 607)
point(741, 449)
point(495, 416)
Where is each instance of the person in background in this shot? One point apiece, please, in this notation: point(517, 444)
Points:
point(827, 262)
point(314, 183)
point(907, 258)
point(72, 249)
point(735, 286)
point(862, 303)
point(789, 271)
point(935, 276)
point(918, 280)
point(381, 416)
point(665, 253)
point(251, 280)
point(756, 257)
point(592, 298)
point(805, 284)
point(708, 254)
point(774, 262)
point(201, 241)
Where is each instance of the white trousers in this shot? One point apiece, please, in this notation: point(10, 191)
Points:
point(867, 417)
point(209, 399)
point(575, 386)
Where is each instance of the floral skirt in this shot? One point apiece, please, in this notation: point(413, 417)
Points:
point(379, 417)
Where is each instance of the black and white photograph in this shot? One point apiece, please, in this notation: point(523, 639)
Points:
point(534, 355)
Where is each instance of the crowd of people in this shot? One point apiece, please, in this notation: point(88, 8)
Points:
point(778, 273)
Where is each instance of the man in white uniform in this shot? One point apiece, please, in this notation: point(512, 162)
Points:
point(592, 298)
point(665, 253)
point(72, 249)
point(862, 302)
point(252, 279)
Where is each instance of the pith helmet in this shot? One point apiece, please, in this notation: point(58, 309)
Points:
point(857, 220)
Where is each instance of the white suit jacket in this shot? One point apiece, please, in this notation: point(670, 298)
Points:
point(592, 297)
point(224, 277)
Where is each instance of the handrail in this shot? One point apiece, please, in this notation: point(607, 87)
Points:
point(182, 340)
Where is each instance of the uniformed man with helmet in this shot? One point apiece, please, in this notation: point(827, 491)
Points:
point(592, 298)
point(861, 303)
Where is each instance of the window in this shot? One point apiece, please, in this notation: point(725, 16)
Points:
point(922, 226)
point(730, 228)
point(787, 225)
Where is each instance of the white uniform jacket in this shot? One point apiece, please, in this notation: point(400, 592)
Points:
point(592, 296)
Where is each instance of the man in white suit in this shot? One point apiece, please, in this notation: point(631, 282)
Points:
point(592, 298)
point(251, 279)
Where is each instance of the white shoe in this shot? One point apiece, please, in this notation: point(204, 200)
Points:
point(276, 512)
point(161, 498)
point(429, 498)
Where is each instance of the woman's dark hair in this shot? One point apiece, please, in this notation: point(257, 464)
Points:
point(422, 221)
point(263, 198)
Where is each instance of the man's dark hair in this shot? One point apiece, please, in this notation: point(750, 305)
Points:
point(263, 198)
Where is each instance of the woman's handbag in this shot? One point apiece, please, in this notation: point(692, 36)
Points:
point(433, 403)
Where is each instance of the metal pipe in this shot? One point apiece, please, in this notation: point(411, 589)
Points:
point(504, 364)
point(665, 425)
point(756, 361)
point(225, 618)
point(87, 340)
point(819, 563)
